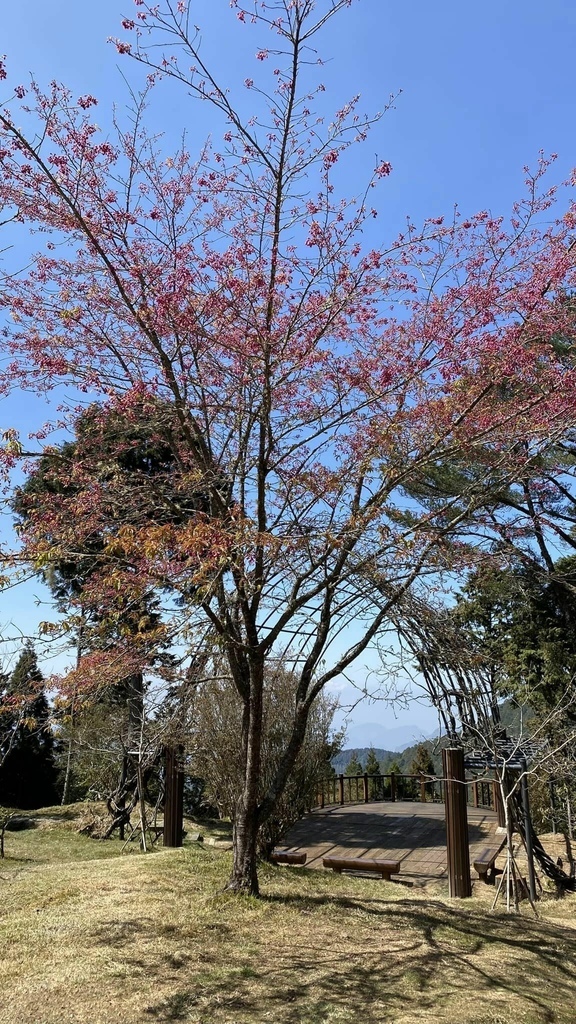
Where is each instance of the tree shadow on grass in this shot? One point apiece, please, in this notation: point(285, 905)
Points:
point(430, 957)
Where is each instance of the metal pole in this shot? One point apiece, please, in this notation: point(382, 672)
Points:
point(528, 831)
point(457, 850)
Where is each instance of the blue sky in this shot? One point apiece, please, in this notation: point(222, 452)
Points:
point(484, 88)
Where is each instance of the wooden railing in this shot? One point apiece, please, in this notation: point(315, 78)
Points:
point(346, 789)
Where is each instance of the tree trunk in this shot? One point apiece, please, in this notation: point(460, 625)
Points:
point(68, 773)
point(135, 705)
point(128, 784)
point(244, 877)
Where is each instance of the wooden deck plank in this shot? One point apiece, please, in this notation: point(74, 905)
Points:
point(413, 833)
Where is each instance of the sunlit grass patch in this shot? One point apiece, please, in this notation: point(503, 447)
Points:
point(156, 937)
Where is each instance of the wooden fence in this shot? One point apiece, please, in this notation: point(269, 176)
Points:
point(353, 789)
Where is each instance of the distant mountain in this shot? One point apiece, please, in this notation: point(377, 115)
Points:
point(403, 758)
point(367, 734)
point(340, 762)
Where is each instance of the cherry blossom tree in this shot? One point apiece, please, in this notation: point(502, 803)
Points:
point(313, 377)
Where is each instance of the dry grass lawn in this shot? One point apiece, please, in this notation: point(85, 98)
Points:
point(91, 937)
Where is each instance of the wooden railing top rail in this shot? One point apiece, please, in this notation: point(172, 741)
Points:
point(402, 775)
point(482, 792)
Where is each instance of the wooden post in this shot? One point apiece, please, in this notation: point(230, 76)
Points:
point(341, 787)
point(322, 795)
point(173, 796)
point(422, 789)
point(457, 849)
point(392, 785)
point(498, 804)
point(475, 792)
point(366, 787)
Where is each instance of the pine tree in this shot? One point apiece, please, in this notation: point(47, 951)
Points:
point(27, 767)
point(354, 767)
point(395, 768)
point(422, 764)
point(373, 769)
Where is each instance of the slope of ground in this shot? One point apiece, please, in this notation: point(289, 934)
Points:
point(87, 935)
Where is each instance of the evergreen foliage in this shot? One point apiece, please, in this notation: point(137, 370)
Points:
point(422, 763)
point(27, 766)
point(354, 767)
point(524, 622)
point(126, 453)
point(372, 766)
point(375, 788)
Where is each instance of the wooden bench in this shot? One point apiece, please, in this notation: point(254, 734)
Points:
point(385, 868)
point(484, 863)
point(286, 857)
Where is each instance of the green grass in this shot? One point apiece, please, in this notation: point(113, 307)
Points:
point(91, 937)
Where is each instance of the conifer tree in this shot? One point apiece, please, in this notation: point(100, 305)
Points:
point(372, 763)
point(354, 767)
point(373, 769)
point(421, 764)
point(396, 769)
point(27, 767)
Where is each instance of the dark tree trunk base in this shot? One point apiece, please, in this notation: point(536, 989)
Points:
point(244, 877)
point(243, 886)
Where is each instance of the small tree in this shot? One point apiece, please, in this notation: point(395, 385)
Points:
point(421, 764)
point(354, 766)
point(395, 768)
point(27, 767)
point(373, 768)
point(214, 739)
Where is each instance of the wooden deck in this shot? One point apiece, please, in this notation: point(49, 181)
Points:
point(413, 833)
